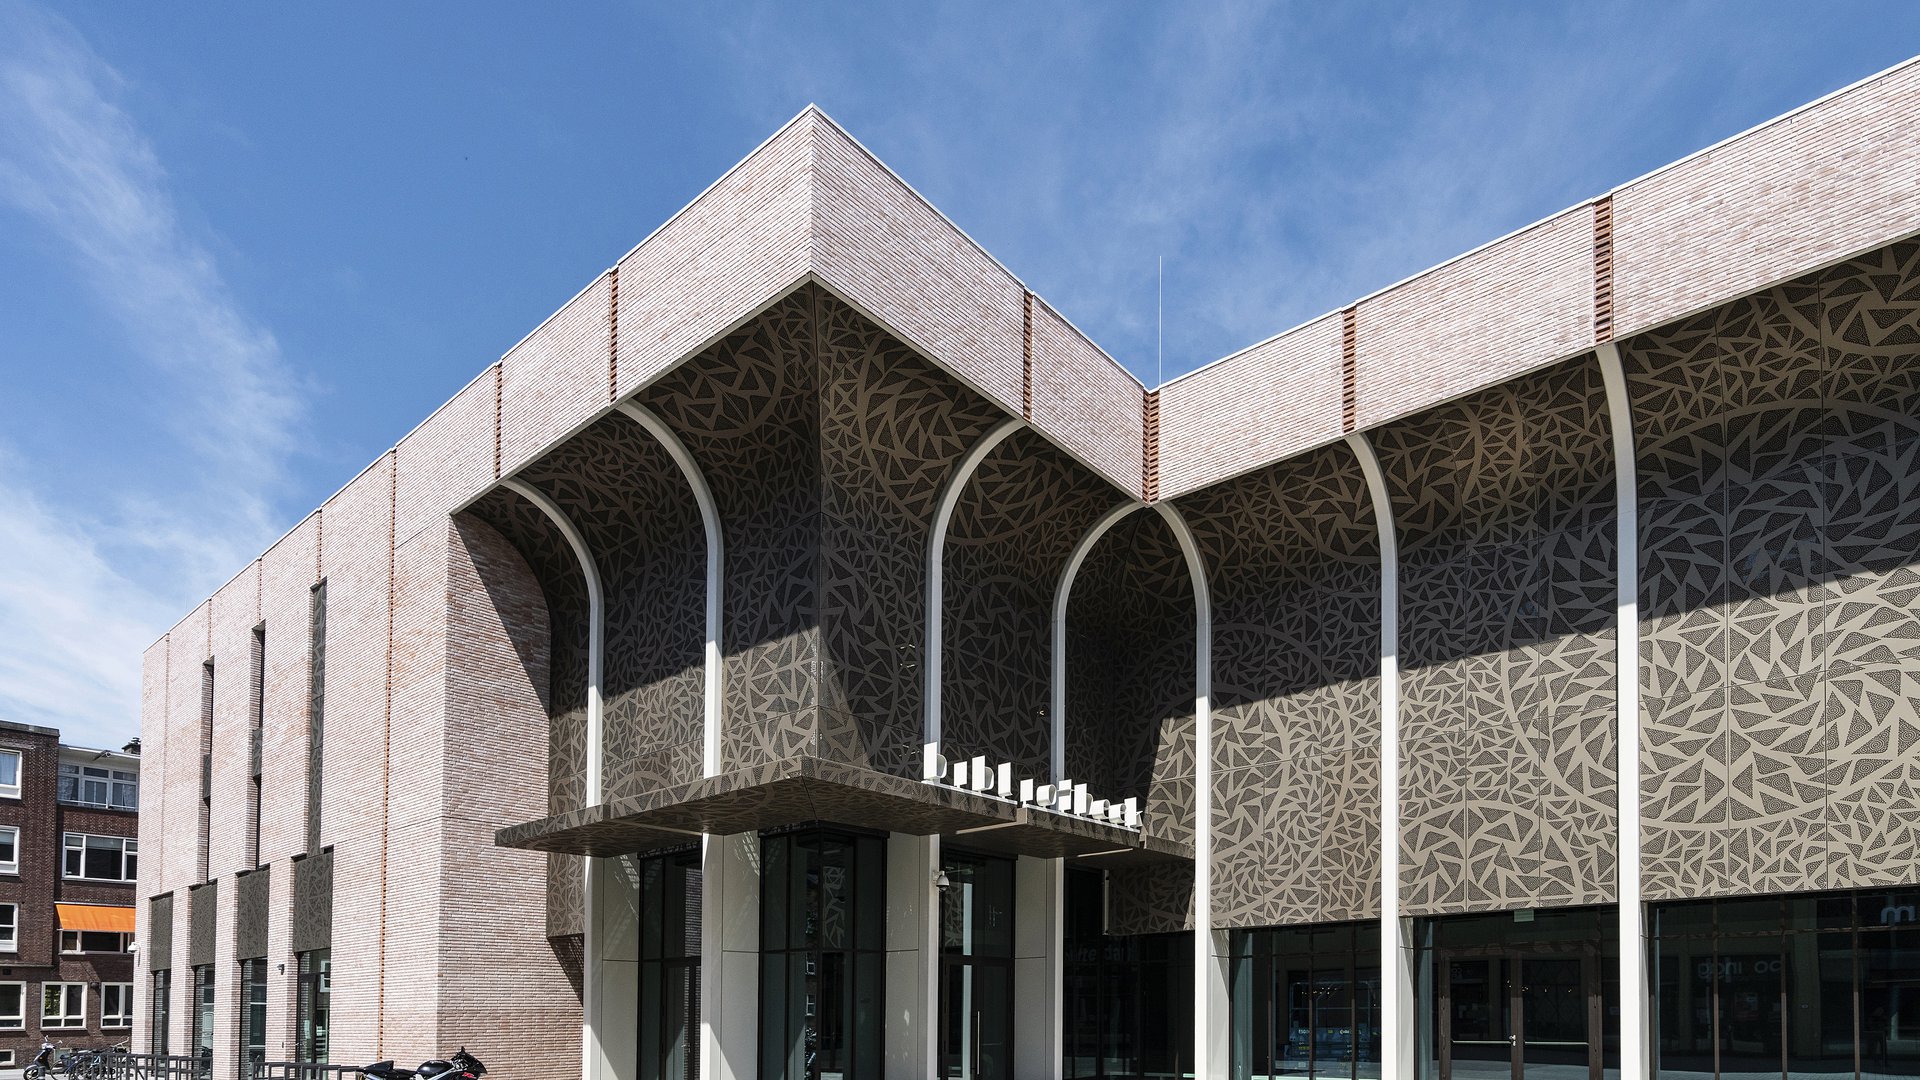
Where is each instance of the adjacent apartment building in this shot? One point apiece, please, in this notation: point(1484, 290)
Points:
point(806, 655)
point(69, 856)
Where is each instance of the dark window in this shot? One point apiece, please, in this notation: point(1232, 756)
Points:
point(206, 768)
point(1811, 987)
point(100, 858)
point(161, 1011)
point(670, 895)
point(257, 705)
point(1128, 1007)
point(315, 990)
point(203, 1011)
point(823, 930)
point(316, 709)
point(1306, 1001)
point(253, 1014)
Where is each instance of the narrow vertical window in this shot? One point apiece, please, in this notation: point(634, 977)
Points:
point(257, 710)
point(203, 1011)
point(206, 766)
point(314, 1007)
point(162, 1012)
point(316, 711)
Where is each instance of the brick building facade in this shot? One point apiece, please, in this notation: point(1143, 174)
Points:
point(66, 893)
point(805, 654)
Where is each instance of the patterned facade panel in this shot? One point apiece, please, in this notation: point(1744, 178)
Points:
point(158, 943)
point(1013, 528)
point(251, 891)
point(1780, 538)
point(746, 409)
point(313, 902)
point(202, 903)
point(1293, 562)
point(1152, 899)
point(892, 427)
point(1130, 676)
point(1504, 502)
point(637, 514)
point(1872, 724)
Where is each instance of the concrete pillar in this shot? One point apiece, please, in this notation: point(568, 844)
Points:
point(913, 956)
point(730, 957)
point(1039, 967)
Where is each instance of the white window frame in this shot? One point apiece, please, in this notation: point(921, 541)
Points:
point(119, 788)
point(125, 946)
point(11, 866)
point(6, 1058)
point(9, 928)
point(63, 1020)
point(18, 1020)
point(123, 1018)
point(12, 791)
point(129, 851)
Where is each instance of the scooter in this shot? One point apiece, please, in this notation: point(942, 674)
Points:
point(42, 1066)
point(462, 1066)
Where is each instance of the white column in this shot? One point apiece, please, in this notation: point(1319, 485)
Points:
point(1397, 1016)
point(1039, 967)
point(1212, 997)
point(1635, 1047)
point(730, 957)
point(614, 967)
point(913, 956)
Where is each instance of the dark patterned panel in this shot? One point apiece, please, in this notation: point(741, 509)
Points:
point(313, 902)
point(159, 939)
point(1294, 573)
point(1153, 899)
point(251, 913)
point(1776, 438)
point(747, 411)
point(1130, 677)
point(637, 514)
point(892, 427)
point(1012, 530)
point(1504, 503)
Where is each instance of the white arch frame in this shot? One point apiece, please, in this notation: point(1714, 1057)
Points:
point(1057, 683)
point(710, 521)
point(596, 718)
point(1635, 1044)
point(1396, 1002)
point(930, 718)
point(596, 625)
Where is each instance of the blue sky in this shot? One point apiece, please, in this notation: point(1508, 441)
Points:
point(244, 248)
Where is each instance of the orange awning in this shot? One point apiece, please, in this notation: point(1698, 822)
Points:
point(117, 920)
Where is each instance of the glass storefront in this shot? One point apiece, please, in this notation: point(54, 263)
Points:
point(823, 940)
point(670, 895)
point(1810, 987)
point(1519, 995)
point(1306, 1002)
point(1128, 1011)
point(976, 967)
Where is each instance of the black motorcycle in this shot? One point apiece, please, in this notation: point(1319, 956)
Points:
point(461, 1066)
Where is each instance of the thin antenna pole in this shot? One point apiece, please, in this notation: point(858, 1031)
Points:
point(1160, 327)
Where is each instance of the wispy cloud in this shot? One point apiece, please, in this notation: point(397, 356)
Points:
point(91, 575)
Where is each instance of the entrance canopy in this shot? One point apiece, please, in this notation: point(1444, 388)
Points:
point(805, 788)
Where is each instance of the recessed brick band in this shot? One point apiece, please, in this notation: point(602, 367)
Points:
point(1026, 357)
point(1603, 270)
point(1150, 447)
point(1349, 369)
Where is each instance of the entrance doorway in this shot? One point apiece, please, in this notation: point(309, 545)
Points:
point(976, 967)
point(1519, 1014)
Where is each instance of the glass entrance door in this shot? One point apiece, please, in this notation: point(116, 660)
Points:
point(976, 968)
point(1519, 1015)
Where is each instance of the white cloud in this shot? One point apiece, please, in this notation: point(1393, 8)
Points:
point(89, 577)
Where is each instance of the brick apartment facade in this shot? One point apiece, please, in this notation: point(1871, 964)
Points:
point(94, 1007)
point(806, 655)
